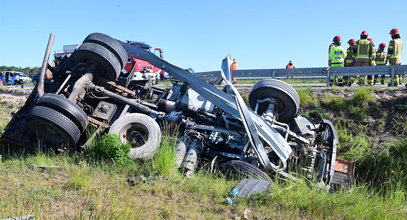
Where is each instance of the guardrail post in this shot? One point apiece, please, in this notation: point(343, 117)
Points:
point(392, 76)
point(274, 74)
point(327, 78)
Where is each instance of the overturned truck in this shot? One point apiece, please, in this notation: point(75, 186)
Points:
point(89, 94)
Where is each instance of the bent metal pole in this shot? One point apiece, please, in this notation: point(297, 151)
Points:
point(40, 86)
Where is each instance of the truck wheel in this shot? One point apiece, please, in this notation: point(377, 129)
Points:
point(141, 131)
point(65, 107)
point(288, 101)
point(238, 168)
point(54, 127)
point(109, 65)
point(109, 43)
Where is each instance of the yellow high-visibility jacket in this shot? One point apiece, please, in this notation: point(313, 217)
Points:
point(394, 51)
point(364, 50)
point(337, 56)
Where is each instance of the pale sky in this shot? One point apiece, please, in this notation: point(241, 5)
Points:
point(199, 34)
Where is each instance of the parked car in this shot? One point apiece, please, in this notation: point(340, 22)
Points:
point(21, 78)
point(35, 78)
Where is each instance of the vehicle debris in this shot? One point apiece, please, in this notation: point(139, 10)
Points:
point(268, 137)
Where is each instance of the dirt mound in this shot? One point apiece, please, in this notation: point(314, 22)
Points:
point(380, 115)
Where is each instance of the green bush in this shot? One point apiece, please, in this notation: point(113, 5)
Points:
point(110, 148)
point(362, 97)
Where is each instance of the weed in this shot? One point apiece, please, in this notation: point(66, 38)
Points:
point(164, 161)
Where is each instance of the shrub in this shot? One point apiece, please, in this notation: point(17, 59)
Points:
point(111, 148)
point(362, 97)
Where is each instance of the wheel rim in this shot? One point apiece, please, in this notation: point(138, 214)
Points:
point(134, 133)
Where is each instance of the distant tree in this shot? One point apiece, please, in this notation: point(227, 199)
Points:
point(27, 70)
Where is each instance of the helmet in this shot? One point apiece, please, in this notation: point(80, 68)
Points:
point(364, 33)
point(337, 38)
point(382, 45)
point(394, 31)
point(352, 41)
point(371, 40)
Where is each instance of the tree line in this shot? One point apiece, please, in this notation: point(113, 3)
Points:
point(27, 70)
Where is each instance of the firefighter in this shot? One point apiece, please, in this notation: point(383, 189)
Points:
point(372, 62)
point(350, 60)
point(350, 53)
point(336, 57)
point(381, 58)
point(335, 40)
point(394, 52)
point(363, 54)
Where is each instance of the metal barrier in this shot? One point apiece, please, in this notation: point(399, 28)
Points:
point(310, 73)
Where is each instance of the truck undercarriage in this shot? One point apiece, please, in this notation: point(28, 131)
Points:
point(89, 92)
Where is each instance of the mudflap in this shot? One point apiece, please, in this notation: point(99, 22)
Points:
point(18, 132)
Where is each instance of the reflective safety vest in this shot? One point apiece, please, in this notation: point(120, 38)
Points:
point(330, 47)
point(364, 49)
point(381, 57)
point(290, 66)
point(395, 48)
point(234, 66)
point(337, 56)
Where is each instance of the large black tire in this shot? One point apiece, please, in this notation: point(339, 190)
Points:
point(141, 131)
point(109, 43)
point(65, 107)
point(54, 127)
point(238, 168)
point(288, 101)
point(108, 63)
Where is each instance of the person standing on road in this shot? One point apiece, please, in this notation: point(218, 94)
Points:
point(11, 79)
point(364, 53)
point(381, 56)
point(394, 52)
point(372, 62)
point(1, 78)
point(234, 65)
point(290, 65)
point(337, 57)
point(350, 60)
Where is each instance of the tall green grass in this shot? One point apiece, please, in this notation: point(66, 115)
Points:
point(385, 167)
point(299, 200)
